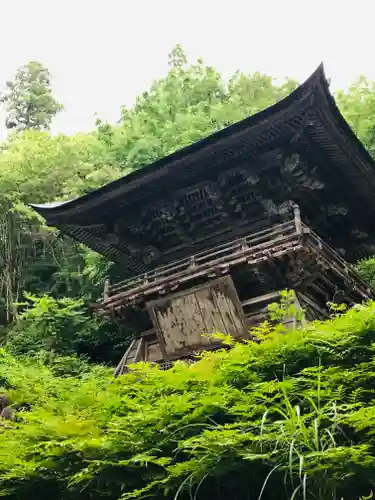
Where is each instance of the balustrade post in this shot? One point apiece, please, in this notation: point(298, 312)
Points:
point(297, 219)
point(106, 289)
point(192, 263)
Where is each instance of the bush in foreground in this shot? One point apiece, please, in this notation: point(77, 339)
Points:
point(290, 418)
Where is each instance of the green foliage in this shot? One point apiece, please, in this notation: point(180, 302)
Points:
point(38, 167)
point(366, 269)
point(358, 108)
point(50, 324)
point(286, 308)
point(292, 417)
point(190, 103)
point(64, 327)
point(28, 98)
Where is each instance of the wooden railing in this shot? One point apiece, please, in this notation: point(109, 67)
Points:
point(216, 260)
point(202, 258)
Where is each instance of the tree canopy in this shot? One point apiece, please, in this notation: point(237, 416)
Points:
point(29, 100)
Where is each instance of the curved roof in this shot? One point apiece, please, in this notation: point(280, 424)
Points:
point(158, 168)
point(308, 116)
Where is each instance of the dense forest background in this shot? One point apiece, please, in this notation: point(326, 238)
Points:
point(289, 418)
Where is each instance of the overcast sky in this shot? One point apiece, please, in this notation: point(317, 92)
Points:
point(101, 54)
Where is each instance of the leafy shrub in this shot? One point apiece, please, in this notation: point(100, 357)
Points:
point(50, 324)
point(292, 417)
point(366, 269)
point(66, 327)
point(60, 366)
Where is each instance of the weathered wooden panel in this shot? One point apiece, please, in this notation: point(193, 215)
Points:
point(186, 321)
point(229, 307)
point(153, 353)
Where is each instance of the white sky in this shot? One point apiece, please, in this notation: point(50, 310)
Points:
point(101, 54)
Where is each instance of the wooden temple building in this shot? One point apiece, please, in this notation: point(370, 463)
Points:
point(210, 235)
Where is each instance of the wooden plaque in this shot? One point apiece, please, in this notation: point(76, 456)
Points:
point(185, 321)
